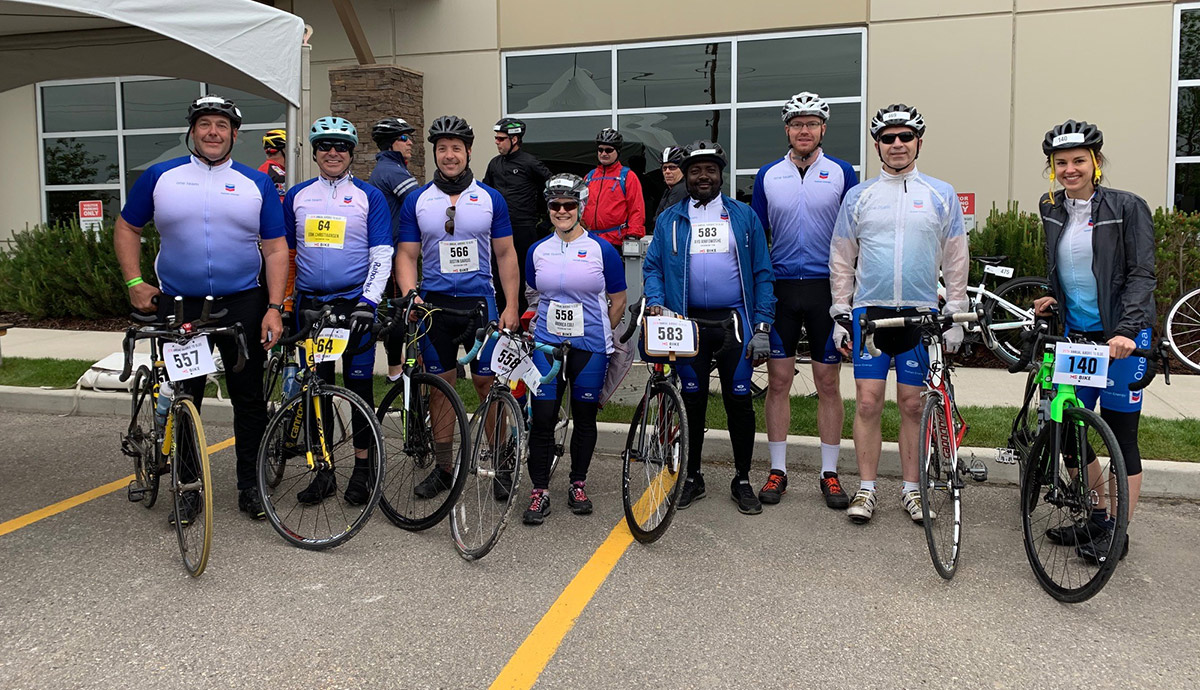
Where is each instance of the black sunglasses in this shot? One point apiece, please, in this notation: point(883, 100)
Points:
point(339, 146)
point(450, 220)
point(889, 139)
point(563, 205)
point(403, 137)
point(605, 149)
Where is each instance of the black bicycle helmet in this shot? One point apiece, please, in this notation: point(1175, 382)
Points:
point(1072, 135)
point(900, 115)
point(673, 155)
point(213, 104)
point(567, 186)
point(451, 127)
point(388, 130)
point(610, 136)
point(703, 149)
point(510, 126)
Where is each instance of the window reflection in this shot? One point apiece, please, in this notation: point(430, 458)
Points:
point(674, 75)
point(560, 82)
point(79, 107)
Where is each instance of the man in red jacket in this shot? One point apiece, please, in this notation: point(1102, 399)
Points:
point(615, 208)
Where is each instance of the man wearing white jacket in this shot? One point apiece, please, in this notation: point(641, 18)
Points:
point(892, 235)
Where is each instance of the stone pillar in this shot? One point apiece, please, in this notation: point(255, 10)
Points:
point(364, 94)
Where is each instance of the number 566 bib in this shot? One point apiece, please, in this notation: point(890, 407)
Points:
point(461, 256)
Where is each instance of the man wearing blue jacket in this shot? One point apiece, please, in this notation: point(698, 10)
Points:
point(709, 256)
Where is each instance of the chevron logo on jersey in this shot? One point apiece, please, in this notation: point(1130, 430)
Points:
point(473, 197)
point(582, 254)
point(724, 215)
point(824, 174)
point(917, 203)
point(347, 199)
point(1135, 397)
point(230, 188)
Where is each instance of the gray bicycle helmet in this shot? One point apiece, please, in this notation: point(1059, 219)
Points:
point(610, 136)
point(451, 127)
point(1072, 135)
point(900, 115)
point(703, 149)
point(567, 186)
point(213, 104)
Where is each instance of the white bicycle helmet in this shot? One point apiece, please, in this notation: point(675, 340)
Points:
point(567, 186)
point(805, 103)
point(897, 115)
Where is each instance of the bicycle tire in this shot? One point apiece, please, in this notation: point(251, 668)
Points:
point(140, 440)
point(273, 383)
point(1005, 323)
point(188, 437)
point(478, 517)
point(412, 453)
point(940, 484)
point(655, 454)
point(1046, 503)
point(562, 430)
point(330, 521)
point(1183, 329)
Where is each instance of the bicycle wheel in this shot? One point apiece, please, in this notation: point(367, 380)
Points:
point(1056, 497)
point(191, 482)
point(940, 484)
point(139, 441)
point(479, 517)
point(562, 430)
point(652, 466)
point(308, 506)
point(273, 394)
point(414, 451)
point(1008, 310)
point(1183, 329)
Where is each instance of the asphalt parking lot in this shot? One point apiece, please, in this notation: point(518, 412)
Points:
point(95, 595)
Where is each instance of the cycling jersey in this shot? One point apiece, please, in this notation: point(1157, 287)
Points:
point(714, 277)
point(1075, 257)
point(341, 231)
point(892, 234)
point(210, 221)
point(391, 176)
point(276, 173)
point(458, 263)
point(573, 280)
point(798, 212)
point(520, 178)
point(615, 208)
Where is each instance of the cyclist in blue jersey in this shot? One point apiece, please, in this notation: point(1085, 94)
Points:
point(709, 256)
point(893, 233)
point(452, 226)
point(340, 230)
point(211, 213)
point(797, 199)
point(1100, 259)
point(580, 281)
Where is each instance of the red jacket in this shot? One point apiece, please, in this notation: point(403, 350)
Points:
point(611, 213)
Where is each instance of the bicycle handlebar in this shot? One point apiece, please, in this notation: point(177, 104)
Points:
point(557, 353)
point(181, 335)
point(732, 325)
point(1156, 355)
point(926, 321)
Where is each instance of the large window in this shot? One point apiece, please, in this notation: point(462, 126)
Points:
point(1185, 118)
point(99, 135)
point(728, 89)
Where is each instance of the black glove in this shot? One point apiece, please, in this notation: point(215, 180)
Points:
point(361, 320)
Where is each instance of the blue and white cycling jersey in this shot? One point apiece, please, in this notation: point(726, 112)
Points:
point(458, 263)
point(210, 220)
point(892, 235)
point(799, 212)
point(341, 231)
point(1081, 295)
point(573, 280)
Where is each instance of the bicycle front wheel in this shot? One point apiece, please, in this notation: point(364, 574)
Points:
point(425, 437)
point(1008, 310)
point(1183, 329)
point(493, 476)
point(140, 441)
point(325, 493)
point(191, 487)
point(940, 484)
point(653, 464)
point(1058, 496)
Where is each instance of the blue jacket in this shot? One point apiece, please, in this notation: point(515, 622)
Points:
point(665, 271)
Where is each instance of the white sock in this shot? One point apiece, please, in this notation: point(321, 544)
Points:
point(829, 457)
point(909, 486)
point(394, 378)
point(866, 485)
point(778, 450)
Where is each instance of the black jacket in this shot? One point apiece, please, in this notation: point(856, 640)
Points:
point(1122, 257)
point(521, 180)
point(672, 196)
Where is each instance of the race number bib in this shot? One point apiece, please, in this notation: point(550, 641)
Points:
point(669, 334)
point(329, 344)
point(1081, 365)
point(999, 271)
point(459, 257)
point(565, 319)
point(710, 238)
point(509, 361)
point(189, 360)
point(325, 231)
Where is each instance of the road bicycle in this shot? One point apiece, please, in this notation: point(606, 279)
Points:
point(942, 473)
point(1049, 439)
point(310, 442)
point(499, 440)
point(1006, 311)
point(174, 442)
point(653, 464)
point(1183, 330)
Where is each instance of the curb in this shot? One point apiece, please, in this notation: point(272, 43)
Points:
point(1164, 479)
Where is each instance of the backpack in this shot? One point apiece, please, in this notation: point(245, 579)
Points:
point(620, 178)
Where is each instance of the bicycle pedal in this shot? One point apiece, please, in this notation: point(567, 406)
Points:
point(135, 495)
point(1006, 456)
point(977, 470)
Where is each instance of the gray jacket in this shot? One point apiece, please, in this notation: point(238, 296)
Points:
point(1122, 257)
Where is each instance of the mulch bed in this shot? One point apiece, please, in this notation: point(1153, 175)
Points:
point(20, 320)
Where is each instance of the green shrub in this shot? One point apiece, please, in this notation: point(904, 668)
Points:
point(1177, 257)
point(61, 271)
point(1014, 233)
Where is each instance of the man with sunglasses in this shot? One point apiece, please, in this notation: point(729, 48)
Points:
point(520, 178)
point(892, 235)
point(675, 192)
point(615, 208)
point(797, 199)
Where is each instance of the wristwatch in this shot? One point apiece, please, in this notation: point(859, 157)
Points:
point(276, 307)
point(762, 328)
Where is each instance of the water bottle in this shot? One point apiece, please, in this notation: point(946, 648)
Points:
point(290, 371)
point(164, 403)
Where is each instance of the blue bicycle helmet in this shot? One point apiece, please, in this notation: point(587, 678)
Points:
point(333, 129)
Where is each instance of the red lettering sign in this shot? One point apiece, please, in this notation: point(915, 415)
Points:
point(967, 201)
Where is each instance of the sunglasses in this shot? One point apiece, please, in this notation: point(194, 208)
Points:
point(339, 146)
point(450, 220)
point(403, 137)
point(563, 205)
point(605, 149)
point(889, 139)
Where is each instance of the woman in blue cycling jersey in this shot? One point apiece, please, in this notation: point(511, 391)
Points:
point(1100, 259)
point(580, 282)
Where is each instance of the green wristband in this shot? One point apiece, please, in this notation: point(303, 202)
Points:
point(134, 281)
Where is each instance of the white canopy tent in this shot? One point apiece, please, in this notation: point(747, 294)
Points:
point(241, 44)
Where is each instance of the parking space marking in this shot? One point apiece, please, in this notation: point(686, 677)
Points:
point(42, 513)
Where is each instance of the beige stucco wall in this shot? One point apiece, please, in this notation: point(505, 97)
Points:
point(888, 10)
point(20, 195)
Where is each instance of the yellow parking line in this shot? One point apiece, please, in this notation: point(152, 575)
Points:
point(42, 513)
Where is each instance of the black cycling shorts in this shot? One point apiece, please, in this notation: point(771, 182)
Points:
point(803, 304)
